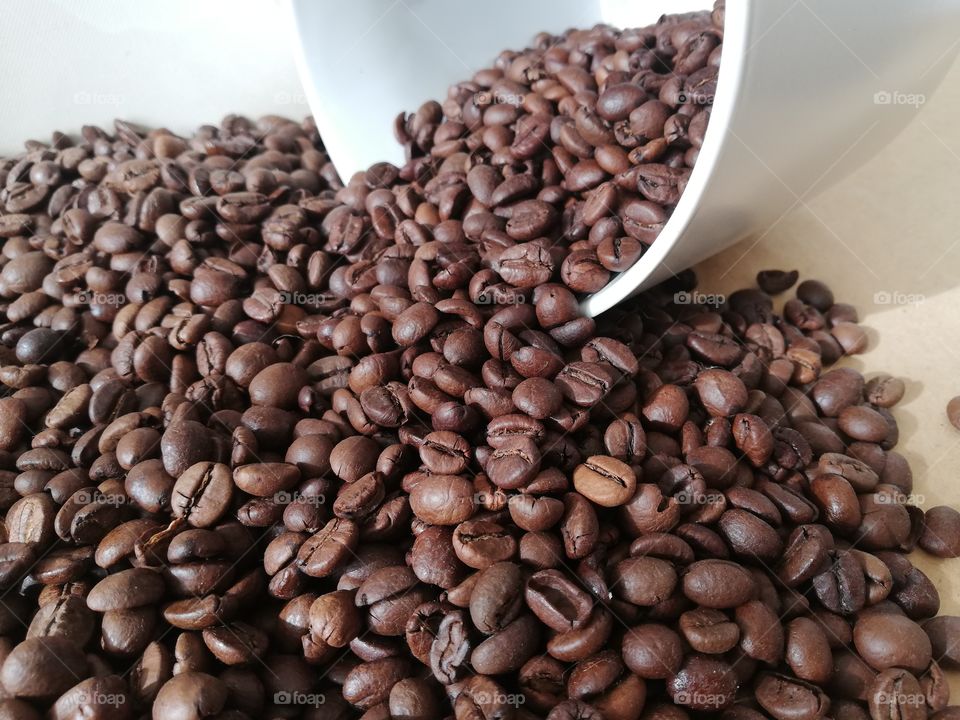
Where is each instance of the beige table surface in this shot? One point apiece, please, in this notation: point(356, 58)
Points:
point(887, 239)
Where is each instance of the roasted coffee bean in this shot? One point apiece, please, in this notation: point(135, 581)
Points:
point(42, 667)
point(775, 282)
point(941, 532)
point(703, 683)
point(953, 412)
point(557, 601)
point(652, 651)
point(718, 584)
point(203, 493)
point(808, 650)
point(785, 697)
point(944, 634)
point(605, 481)
point(190, 694)
point(890, 640)
point(896, 693)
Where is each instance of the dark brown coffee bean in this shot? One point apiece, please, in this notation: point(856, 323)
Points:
point(557, 601)
point(718, 584)
point(203, 493)
point(191, 694)
point(774, 282)
point(652, 651)
point(605, 481)
point(703, 683)
point(890, 640)
point(941, 532)
point(785, 697)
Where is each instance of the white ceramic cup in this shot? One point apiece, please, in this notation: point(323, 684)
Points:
point(808, 90)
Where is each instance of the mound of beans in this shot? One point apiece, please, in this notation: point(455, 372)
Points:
point(275, 446)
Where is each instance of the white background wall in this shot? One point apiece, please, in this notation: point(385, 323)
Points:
point(66, 63)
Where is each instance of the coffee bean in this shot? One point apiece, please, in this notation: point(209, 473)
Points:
point(652, 651)
point(944, 634)
point(718, 584)
point(126, 589)
point(605, 481)
point(941, 532)
point(774, 282)
point(785, 697)
point(42, 667)
point(203, 493)
point(703, 683)
point(496, 598)
point(557, 601)
point(890, 640)
point(190, 694)
point(808, 651)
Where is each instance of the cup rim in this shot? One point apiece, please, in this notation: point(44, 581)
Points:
point(730, 80)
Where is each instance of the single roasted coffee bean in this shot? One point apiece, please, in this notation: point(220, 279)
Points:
point(941, 532)
point(785, 697)
point(605, 481)
point(652, 651)
point(557, 601)
point(953, 412)
point(944, 634)
point(703, 683)
point(774, 282)
point(892, 640)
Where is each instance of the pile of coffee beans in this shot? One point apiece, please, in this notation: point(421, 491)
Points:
point(272, 446)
